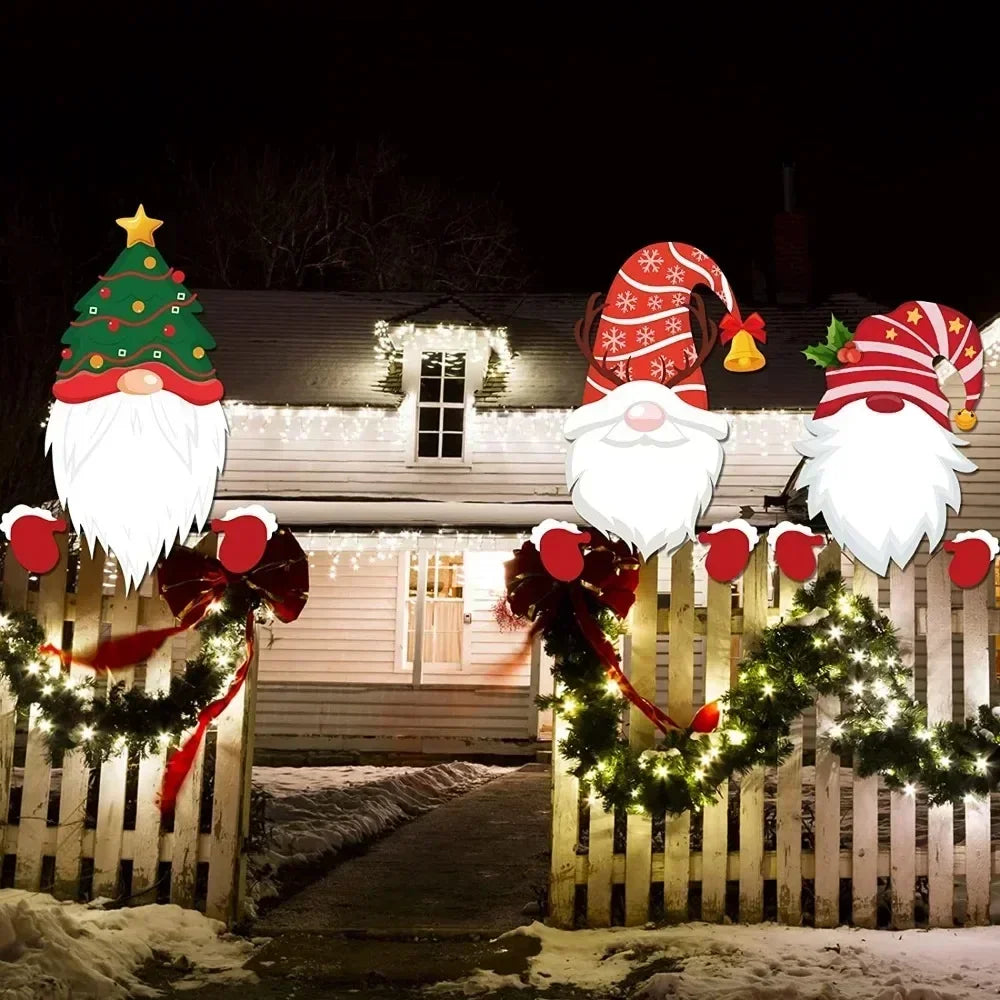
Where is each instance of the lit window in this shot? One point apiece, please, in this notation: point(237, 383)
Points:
point(444, 607)
point(441, 405)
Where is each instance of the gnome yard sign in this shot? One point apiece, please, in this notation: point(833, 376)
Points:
point(137, 432)
point(881, 459)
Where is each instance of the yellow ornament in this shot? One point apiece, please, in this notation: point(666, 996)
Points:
point(199, 352)
point(96, 361)
point(140, 228)
point(149, 263)
point(138, 306)
point(965, 420)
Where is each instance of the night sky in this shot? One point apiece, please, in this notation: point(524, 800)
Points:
point(598, 137)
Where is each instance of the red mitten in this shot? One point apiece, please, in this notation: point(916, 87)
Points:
point(30, 531)
point(974, 552)
point(559, 544)
point(794, 548)
point(245, 531)
point(731, 543)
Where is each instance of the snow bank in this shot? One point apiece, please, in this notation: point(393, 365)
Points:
point(57, 951)
point(315, 812)
point(763, 962)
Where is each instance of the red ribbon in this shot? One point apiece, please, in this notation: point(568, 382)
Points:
point(732, 324)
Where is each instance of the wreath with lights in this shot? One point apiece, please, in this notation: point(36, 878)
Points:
point(102, 719)
point(831, 642)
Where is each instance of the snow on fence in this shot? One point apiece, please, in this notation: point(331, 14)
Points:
point(82, 833)
point(829, 849)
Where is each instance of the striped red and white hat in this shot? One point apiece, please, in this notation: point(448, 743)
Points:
point(898, 351)
point(645, 327)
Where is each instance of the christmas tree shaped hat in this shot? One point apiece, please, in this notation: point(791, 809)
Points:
point(138, 318)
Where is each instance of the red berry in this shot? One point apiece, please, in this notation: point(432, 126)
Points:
point(853, 356)
point(842, 355)
point(67, 353)
point(105, 293)
point(169, 330)
point(849, 346)
point(113, 325)
point(177, 277)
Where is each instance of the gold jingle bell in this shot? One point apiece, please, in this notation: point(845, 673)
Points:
point(965, 420)
point(744, 355)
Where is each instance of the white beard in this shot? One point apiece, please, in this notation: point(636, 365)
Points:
point(647, 489)
point(136, 472)
point(882, 481)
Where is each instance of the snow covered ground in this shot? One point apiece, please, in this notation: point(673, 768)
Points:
point(315, 812)
point(67, 951)
point(763, 962)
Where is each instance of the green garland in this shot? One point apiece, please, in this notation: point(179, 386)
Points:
point(101, 720)
point(832, 642)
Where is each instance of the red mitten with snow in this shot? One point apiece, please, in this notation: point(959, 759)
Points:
point(794, 549)
point(730, 544)
point(30, 531)
point(560, 543)
point(245, 532)
point(972, 559)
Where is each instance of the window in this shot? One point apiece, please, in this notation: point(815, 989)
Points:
point(444, 607)
point(441, 405)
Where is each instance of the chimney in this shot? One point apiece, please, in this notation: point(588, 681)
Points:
point(792, 269)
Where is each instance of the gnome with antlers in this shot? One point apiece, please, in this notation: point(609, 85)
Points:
point(645, 451)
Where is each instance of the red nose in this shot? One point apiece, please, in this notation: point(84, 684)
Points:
point(645, 417)
point(884, 402)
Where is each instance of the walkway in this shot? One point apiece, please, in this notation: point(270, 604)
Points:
point(467, 867)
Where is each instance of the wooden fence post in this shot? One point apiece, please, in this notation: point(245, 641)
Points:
point(565, 825)
point(639, 835)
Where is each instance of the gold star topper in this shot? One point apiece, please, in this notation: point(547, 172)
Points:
point(139, 228)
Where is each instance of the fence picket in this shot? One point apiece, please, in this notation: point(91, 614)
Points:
point(827, 793)
point(789, 802)
point(864, 839)
point(642, 660)
point(111, 794)
point(600, 859)
point(75, 773)
point(715, 818)
point(903, 807)
point(976, 668)
point(752, 784)
point(940, 819)
point(680, 706)
point(154, 613)
point(15, 598)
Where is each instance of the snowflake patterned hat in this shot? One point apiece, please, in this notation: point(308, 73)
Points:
point(645, 324)
point(895, 354)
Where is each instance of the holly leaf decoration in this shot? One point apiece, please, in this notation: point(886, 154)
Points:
point(837, 336)
point(821, 355)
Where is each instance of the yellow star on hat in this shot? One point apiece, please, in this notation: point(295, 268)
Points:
point(139, 228)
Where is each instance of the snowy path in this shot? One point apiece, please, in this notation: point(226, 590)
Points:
point(764, 962)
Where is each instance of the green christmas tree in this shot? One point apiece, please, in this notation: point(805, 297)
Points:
point(138, 315)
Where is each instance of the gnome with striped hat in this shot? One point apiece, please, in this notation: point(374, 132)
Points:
point(882, 460)
point(645, 450)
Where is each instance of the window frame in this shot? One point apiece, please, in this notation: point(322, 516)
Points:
point(441, 405)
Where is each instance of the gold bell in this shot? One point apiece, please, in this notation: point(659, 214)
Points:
point(965, 420)
point(744, 355)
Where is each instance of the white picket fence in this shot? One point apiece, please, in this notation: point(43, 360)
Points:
point(865, 860)
point(82, 833)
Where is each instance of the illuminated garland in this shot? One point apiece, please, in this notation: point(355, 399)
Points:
point(832, 642)
point(103, 720)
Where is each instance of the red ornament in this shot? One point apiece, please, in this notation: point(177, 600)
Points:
point(177, 277)
point(113, 325)
point(66, 353)
point(706, 719)
point(105, 293)
point(169, 330)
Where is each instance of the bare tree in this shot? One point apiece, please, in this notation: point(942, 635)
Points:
point(272, 222)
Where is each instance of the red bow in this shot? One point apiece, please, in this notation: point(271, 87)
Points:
point(732, 324)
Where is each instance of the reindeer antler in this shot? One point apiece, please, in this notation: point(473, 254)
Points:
point(709, 335)
point(586, 340)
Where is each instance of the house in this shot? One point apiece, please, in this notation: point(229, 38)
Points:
point(412, 443)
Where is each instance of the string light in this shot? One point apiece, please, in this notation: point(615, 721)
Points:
point(737, 737)
point(909, 789)
point(33, 667)
point(45, 725)
point(858, 688)
point(478, 344)
point(87, 733)
point(768, 689)
point(835, 731)
point(981, 765)
point(4, 621)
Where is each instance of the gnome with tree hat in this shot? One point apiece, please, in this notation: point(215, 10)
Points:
point(137, 431)
point(645, 451)
point(881, 460)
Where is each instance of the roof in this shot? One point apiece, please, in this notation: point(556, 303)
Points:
point(317, 348)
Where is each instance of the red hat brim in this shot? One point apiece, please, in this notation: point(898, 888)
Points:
point(85, 386)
